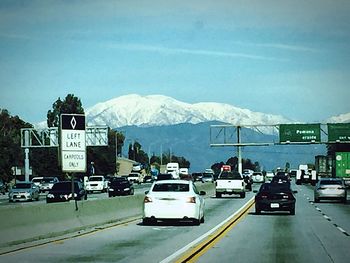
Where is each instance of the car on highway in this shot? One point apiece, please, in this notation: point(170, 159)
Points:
point(208, 177)
point(173, 200)
point(24, 191)
point(330, 189)
point(230, 182)
point(37, 180)
point(47, 183)
point(281, 177)
point(135, 178)
point(96, 183)
point(120, 186)
point(62, 192)
point(197, 176)
point(164, 177)
point(148, 179)
point(258, 177)
point(275, 196)
point(269, 175)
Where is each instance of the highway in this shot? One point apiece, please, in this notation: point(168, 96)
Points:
point(317, 233)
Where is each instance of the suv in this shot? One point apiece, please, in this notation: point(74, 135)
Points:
point(230, 183)
point(120, 186)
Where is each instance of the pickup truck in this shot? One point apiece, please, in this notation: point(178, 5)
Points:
point(230, 182)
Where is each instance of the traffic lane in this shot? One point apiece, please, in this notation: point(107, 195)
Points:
point(132, 242)
point(280, 237)
point(337, 213)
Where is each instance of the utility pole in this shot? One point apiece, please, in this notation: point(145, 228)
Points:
point(239, 150)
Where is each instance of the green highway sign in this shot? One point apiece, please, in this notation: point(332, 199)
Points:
point(300, 133)
point(338, 132)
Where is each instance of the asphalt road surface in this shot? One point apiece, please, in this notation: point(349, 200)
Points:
point(317, 233)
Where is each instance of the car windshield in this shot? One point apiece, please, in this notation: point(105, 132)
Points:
point(64, 186)
point(119, 181)
point(48, 180)
point(275, 187)
point(22, 186)
point(96, 179)
point(331, 182)
point(230, 175)
point(37, 180)
point(171, 187)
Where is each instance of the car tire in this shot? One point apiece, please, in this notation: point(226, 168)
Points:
point(202, 219)
point(196, 222)
point(292, 211)
point(316, 200)
point(257, 211)
point(242, 195)
point(218, 195)
point(344, 200)
point(110, 195)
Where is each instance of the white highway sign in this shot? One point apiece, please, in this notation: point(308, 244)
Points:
point(73, 143)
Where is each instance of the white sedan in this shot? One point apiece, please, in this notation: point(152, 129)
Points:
point(173, 199)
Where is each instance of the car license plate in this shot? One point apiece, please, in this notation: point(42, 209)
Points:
point(229, 190)
point(275, 205)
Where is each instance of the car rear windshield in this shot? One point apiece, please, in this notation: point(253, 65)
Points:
point(64, 186)
point(95, 179)
point(21, 186)
point(171, 187)
point(275, 187)
point(48, 180)
point(230, 175)
point(332, 182)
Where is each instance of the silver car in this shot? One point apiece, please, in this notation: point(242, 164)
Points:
point(330, 188)
point(24, 192)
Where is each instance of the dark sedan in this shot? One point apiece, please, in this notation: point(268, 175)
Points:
point(275, 196)
point(120, 186)
point(62, 191)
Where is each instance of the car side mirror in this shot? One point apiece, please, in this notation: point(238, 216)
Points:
point(146, 192)
point(295, 191)
point(202, 193)
point(255, 191)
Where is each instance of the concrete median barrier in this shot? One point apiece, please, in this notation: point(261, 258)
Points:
point(30, 222)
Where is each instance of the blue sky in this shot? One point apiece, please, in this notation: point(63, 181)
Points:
point(281, 57)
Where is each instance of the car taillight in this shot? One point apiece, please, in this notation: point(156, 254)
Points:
point(147, 199)
point(341, 188)
point(191, 199)
point(321, 188)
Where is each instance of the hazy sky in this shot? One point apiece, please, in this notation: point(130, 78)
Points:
point(282, 57)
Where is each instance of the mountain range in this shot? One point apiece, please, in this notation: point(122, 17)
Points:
point(158, 110)
point(163, 124)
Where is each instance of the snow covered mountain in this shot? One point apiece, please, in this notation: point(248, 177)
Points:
point(158, 110)
point(342, 118)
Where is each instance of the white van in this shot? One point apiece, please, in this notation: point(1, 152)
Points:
point(173, 168)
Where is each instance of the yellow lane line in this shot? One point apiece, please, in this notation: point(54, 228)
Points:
point(194, 254)
point(187, 252)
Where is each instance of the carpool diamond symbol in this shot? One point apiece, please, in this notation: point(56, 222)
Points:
point(73, 122)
